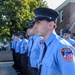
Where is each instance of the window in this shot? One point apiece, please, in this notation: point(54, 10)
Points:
point(61, 16)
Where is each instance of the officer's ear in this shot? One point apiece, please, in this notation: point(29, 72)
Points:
point(51, 24)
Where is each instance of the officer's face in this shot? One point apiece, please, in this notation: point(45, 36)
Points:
point(21, 36)
point(42, 27)
point(16, 37)
point(28, 32)
point(74, 37)
point(12, 37)
point(31, 31)
point(65, 35)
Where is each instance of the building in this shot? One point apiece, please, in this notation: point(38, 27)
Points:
point(66, 19)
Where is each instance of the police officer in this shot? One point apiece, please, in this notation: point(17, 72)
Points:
point(13, 46)
point(58, 53)
point(23, 50)
point(34, 49)
point(66, 36)
point(17, 51)
point(73, 36)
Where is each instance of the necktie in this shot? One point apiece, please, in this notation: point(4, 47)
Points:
point(44, 51)
point(30, 53)
point(31, 46)
point(15, 44)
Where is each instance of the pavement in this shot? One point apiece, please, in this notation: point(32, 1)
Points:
point(6, 68)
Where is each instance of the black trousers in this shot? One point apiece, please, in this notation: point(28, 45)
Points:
point(23, 59)
point(33, 71)
point(17, 61)
point(13, 55)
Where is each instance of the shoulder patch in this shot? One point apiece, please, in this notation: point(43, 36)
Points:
point(25, 43)
point(41, 42)
point(67, 54)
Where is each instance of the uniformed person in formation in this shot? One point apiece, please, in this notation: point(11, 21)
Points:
point(67, 36)
point(13, 43)
point(73, 36)
point(33, 48)
point(17, 52)
point(23, 50)
point(57, 58)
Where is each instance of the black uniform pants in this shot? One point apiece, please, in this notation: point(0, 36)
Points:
point(23, 59)
point(33, 71)
point(17, 59)
point(13, 55)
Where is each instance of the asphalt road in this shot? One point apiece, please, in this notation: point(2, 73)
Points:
point(6, 68)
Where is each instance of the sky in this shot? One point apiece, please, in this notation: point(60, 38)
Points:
point(54, 3)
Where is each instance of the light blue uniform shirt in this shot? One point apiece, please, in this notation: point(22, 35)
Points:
point(71, 41)
point(35, 52)
point(17, 49)
point(58, 57)
point(29, 46)
point(14, 44)
point(23, 47)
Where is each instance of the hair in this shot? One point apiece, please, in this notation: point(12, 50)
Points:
point(55, 26)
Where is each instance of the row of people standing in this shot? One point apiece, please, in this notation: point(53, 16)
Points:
point(33, 48)
point(19, 49)
point(26, 51)
point(47, 53)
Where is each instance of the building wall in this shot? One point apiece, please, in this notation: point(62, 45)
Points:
point(66, 18)
point(72, 13)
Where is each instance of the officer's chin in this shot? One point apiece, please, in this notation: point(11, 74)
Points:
point(39, 34)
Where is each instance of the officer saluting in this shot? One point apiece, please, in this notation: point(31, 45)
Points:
point(58, 57)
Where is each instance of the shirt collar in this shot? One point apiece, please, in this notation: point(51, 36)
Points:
point(23, 39)
point(68, 39)
point(50, 38)
point(35, 36)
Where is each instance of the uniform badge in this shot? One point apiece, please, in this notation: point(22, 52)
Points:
point(67, 54)
point(25, 43)
point(41, 42)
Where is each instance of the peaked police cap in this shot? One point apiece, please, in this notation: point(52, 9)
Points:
point(43, 13)
point(30, 23)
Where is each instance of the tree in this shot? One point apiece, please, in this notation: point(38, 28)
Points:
point(17, 14)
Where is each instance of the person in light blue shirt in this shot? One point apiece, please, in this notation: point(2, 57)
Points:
point(57, 55)
point(73, 36)
point(30, 43)
point(33, 48)
point(18, 40)
point(23, 47)
point(35, 52)
point(13, 43)
point(17, 51)
point(66, 36)
point(23, 50)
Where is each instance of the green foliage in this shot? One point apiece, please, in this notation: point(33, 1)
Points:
point(17, 14)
